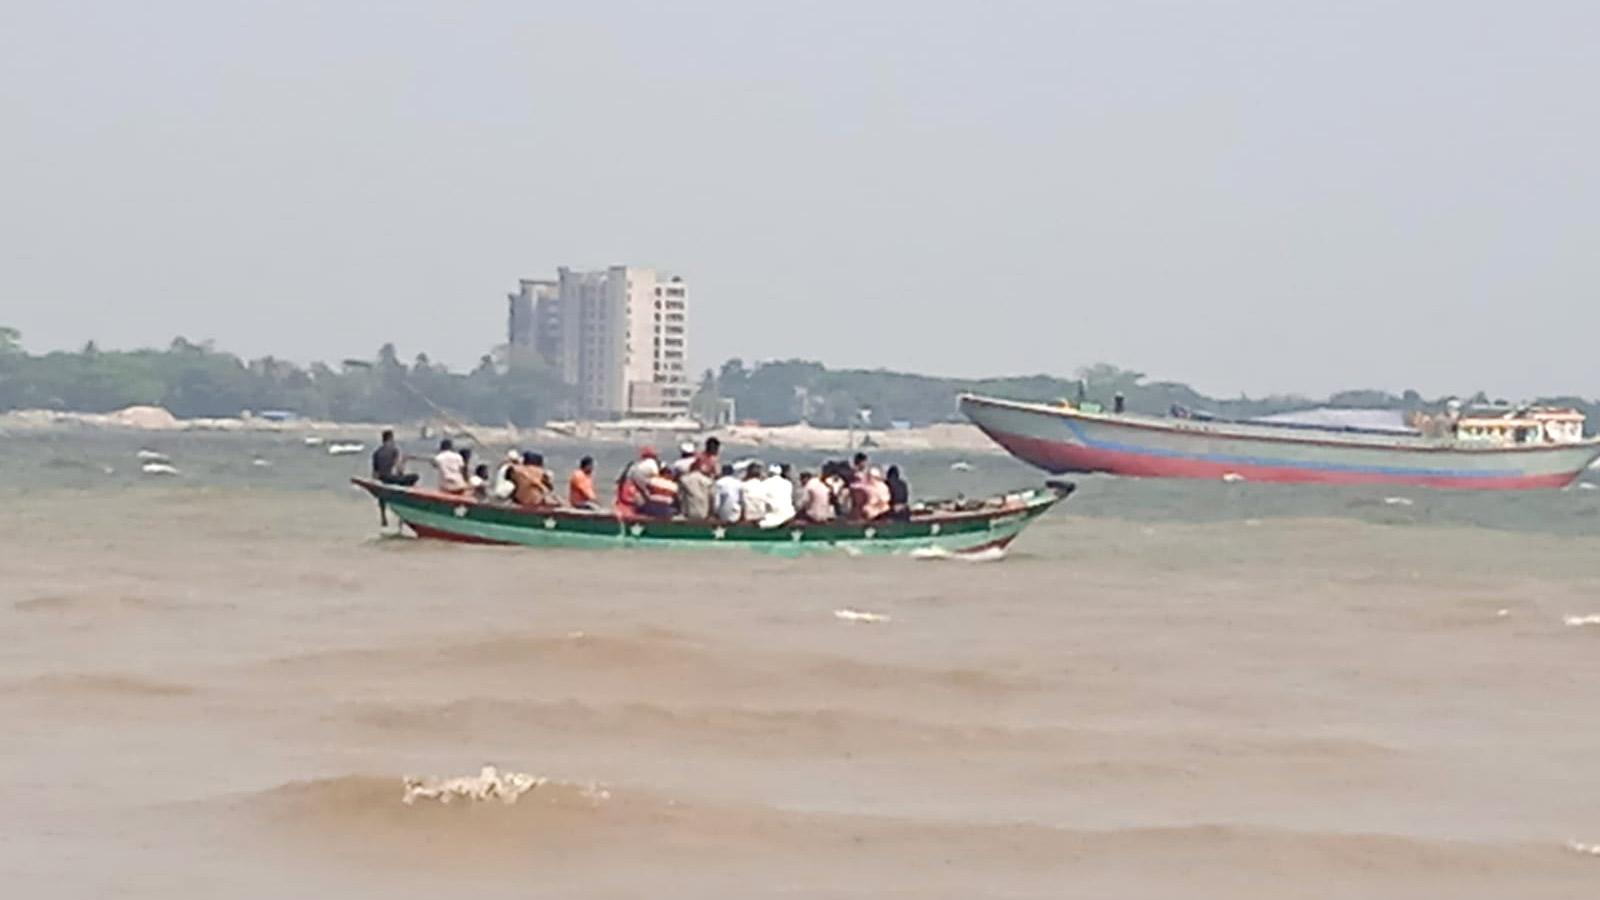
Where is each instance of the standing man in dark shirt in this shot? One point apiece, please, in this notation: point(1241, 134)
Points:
point(388, 463)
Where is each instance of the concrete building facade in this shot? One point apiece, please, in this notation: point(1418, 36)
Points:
point(618, 335)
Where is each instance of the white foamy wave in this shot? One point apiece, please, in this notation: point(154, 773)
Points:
point(158, 468)
point(1576, 621)
point(1585, 849)
point(1588, 486)
point(988, 554)
point(153, 455)
point(345, 449)
point(1232, 477)
point(489, 784)
point(1398, 501)
point(856, 615)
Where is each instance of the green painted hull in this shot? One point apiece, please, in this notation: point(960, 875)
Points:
point(434, 515)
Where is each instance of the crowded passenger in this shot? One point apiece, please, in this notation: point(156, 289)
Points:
point(388, 463)
point(661, 495)
point(482, 488)
point(875, 493)
point(451, 468)
point(687, 458)
point(817, 502)
point(533, 484)
point(580, 486)
point(779, 493)
point(634, 481)
point(899, 494)
point(755, 506)
point(708, 461)
point(695, 490)
point(728, 496)
point(501, 486)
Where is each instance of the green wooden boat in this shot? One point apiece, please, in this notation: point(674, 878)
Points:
point(953, 527)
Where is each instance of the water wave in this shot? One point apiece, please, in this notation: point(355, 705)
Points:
point(93, 684)
point(558, 823)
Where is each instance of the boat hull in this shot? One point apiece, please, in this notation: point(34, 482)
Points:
point(1062, 440)
point(445, 517)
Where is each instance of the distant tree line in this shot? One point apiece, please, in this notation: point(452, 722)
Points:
point(196, 380)
point(797, 390)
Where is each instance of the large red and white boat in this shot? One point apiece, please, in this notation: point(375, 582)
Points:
point(1504, 449)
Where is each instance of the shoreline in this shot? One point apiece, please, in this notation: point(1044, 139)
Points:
point(943, 437)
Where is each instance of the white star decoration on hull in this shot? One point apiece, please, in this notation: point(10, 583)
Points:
point(460, 512)
point(719, 532)
point(549, 523)
point(636, 530)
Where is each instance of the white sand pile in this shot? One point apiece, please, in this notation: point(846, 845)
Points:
point(147, 417)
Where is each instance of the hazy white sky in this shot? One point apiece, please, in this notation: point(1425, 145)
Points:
point(1253, 196)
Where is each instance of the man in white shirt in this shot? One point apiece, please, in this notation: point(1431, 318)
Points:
point(728, 496)
point(779, 493)
point(501, 486)
point(755, 494)
point(451, 467)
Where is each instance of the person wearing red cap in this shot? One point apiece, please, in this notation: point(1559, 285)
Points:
point(634, 486)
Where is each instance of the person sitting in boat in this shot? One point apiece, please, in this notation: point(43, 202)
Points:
point(580, 486)
point(533, 483)
point(779, 494)
point(873, 495)
point(687, 457)
point(388, 463)
point(661, 495)
point(501, 487)
point(695, 490)
point(708, 459)
point(482, 485)
point(633, 483)
point(899, 494)
point(817, 500)
point(797, 494)
point(452, 469)
point(646, 467)
point(754, 496)
point(727, 501)
point(836, 477)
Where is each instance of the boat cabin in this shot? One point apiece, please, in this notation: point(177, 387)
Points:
point(1527, 425)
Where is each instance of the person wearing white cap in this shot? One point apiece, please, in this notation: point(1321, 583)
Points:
point(501, 486)
point(685, 460)
point(779, 494)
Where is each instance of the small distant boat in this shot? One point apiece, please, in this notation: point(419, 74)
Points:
point(961, 466)
point(1504, 449)
point(345, 449)
point(953, 527)
point(158, 468)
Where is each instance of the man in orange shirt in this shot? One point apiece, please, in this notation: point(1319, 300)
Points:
point(580, 487)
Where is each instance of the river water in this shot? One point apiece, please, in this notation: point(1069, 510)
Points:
point(213, 683)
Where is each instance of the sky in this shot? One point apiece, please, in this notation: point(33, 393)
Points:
point(1265, 196)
